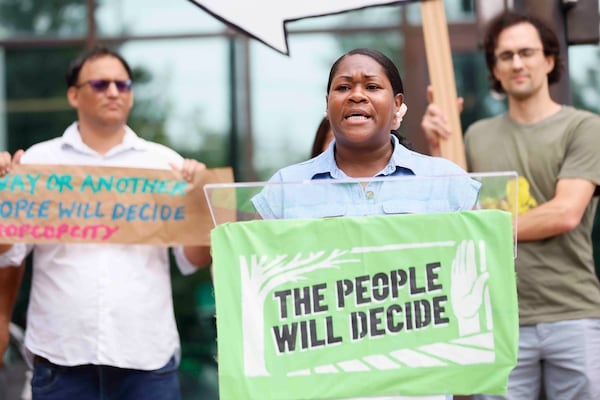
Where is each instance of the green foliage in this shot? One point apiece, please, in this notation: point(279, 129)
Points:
point(44, 16)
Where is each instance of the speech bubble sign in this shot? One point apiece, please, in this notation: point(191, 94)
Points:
point(265, 20)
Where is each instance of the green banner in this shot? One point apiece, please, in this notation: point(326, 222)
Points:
point(414, 304)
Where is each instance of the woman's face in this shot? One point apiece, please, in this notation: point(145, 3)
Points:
point(361, 104)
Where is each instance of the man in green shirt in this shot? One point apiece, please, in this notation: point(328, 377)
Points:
point(555, 149)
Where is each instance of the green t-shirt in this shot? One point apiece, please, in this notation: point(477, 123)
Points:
point(556, 278)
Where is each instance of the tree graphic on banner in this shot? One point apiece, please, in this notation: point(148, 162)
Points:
point(259, 277)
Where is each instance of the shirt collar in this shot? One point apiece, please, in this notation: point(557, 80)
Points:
point(402, 158)
point(131, 141)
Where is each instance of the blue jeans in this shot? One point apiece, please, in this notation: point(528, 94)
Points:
point(101, 382)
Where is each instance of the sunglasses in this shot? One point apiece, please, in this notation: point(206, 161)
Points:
point(100, 85)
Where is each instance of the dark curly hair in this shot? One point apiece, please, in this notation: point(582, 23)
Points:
point(548, 37)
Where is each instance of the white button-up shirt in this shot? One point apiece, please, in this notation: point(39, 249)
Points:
point(105, 304)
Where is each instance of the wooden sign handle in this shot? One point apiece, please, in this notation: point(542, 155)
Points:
point(441, 74)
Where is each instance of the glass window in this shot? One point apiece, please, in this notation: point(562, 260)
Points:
point(47, 19)
point(473, 85)
point(368, 17)
point(181, 96)
point(584, 72)
point(36, 103)
point(288, 100)
point(153, 17)
point(456, 11)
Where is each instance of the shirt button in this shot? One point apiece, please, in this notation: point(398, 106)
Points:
point(370, 195)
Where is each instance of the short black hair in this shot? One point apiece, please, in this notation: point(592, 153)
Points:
point(507, 19)
point(72, 75)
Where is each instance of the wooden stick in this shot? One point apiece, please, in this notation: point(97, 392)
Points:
point(441, 74)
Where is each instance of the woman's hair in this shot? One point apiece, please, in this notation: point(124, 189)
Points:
point(391, 72)
point(72, 75)
point(507, 19)
point(320, 137)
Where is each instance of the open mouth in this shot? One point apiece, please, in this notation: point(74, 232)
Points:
point(357, 116)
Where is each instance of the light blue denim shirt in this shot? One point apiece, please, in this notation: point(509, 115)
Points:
point(410, 183)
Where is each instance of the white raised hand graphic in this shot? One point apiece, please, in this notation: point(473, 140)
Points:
point(467, 287)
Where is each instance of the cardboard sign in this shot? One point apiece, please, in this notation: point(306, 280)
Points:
point(413, 305)
point(91, 204)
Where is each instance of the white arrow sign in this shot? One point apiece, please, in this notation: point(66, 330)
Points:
point(265, 19)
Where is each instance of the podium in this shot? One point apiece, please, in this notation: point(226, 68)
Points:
point(371, 288)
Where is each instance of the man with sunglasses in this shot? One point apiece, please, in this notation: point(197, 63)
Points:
point(555, 150)
point(100, 322)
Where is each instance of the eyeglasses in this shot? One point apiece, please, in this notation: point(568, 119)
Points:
point(100, 85)
point(524, 53)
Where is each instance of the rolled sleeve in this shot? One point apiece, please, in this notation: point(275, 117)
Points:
point(15, 256)
point(184, 265)
point(261, 204)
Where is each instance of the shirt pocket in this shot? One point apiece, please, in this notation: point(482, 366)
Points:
point(416, 206)
point(403, 207)
point(320, 210)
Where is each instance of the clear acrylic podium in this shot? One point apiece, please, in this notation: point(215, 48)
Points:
point(232, 202)
point(329, 283)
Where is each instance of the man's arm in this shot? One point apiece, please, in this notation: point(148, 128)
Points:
point(10, 281)
point(10, 277)
point(198, 256)
point(559, 215)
